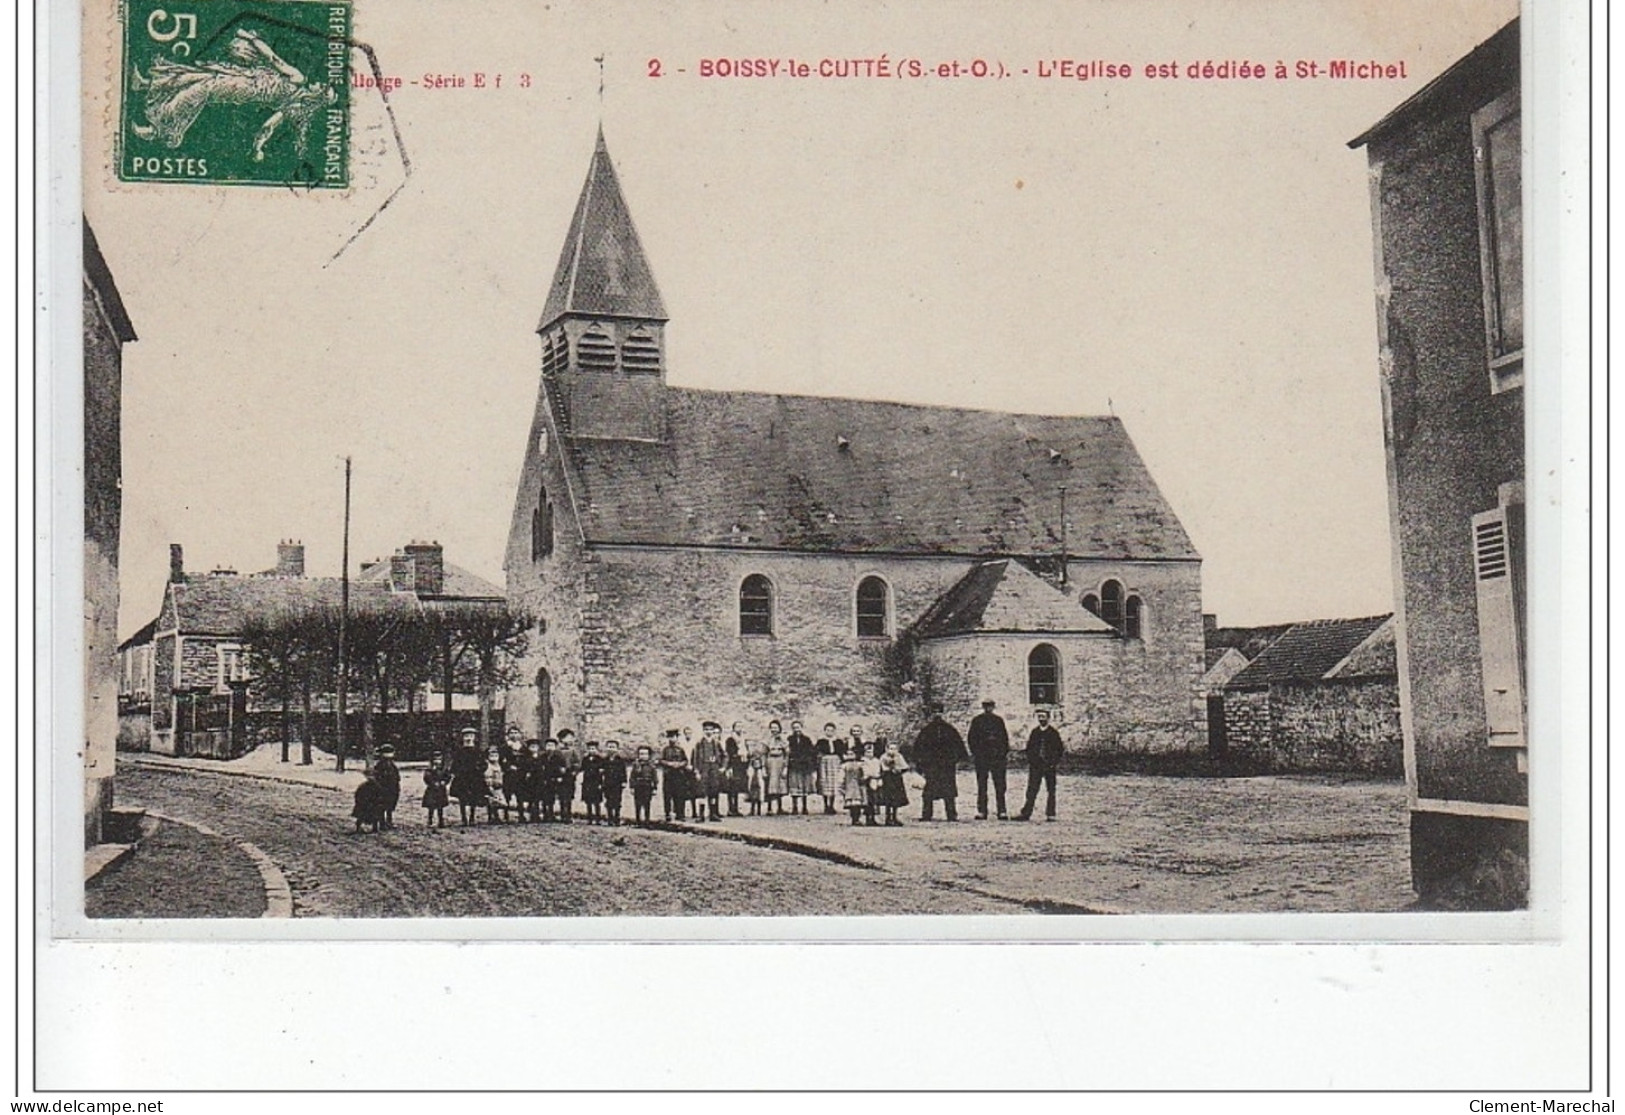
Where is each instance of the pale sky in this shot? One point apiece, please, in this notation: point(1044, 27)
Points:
point(1194, 255)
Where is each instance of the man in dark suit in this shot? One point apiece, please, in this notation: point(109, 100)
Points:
point(938, 750)
point(990, 751)
point(1044, 751)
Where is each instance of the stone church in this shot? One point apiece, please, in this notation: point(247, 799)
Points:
point(745, 556)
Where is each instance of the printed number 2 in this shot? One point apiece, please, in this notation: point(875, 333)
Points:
point(654, 67)
point(182, 19)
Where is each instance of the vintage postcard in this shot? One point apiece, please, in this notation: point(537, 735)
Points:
point(566, 464)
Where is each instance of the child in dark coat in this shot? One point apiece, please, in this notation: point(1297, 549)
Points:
point(614, 779)
point(435, 797)
point(644, 776)
point(369, 804)
point(389, 783)
point(592, 782)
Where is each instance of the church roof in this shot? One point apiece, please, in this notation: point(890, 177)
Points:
point(1005, 597)
point(800, 473)
point(602, 270)
point(1308, 651)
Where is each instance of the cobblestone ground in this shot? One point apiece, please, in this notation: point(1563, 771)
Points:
point(1129, 843)
point(514, 870)
point(178, 872)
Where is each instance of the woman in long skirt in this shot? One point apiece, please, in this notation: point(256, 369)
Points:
point(735, 769)
point(777, 768)
point(831, 749)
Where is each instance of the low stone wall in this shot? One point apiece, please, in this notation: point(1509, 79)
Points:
point(1327, 726)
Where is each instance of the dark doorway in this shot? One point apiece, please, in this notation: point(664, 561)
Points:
point(1218, 745)
point(544, 704)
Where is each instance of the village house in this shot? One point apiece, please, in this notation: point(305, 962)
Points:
point(1446, 182)
point(1321, 696)
point(744, 556)
point(184, 678)
point(107, 330)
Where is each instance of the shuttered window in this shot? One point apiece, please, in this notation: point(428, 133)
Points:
point(1498, 165)
point(641, 353)
point(595, 352)
point(1500, 652)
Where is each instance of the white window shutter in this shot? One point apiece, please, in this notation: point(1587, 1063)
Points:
point(1493, 555)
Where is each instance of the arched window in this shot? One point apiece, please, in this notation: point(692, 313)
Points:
point(756, 605)
point(1111, 603)
point(1044, 675)
point(873, 609)
point(541, 528)
point(595, 351)
point(641, 353)
point(1091, 603)
point(1133, 618)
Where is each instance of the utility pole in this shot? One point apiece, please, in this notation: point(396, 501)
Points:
point(1063, 536)
point(344, 622)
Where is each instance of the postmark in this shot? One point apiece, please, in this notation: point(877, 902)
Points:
point(236, 92)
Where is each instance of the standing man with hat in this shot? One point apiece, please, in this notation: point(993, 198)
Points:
point(938, 751)
point(1044, 751)
point(990, 751)
point(674, 775)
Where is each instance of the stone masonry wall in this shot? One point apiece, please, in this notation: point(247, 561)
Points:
point(1341, 726)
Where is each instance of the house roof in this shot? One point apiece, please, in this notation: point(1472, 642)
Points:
point(1460, 89)
point(801, 473)
point(100, 278)
point(1307, 652)
point(142, 636)
point(602, 270)
point(1248, 640)
point(1004, 596)
point(459, 583)
point(223, 604)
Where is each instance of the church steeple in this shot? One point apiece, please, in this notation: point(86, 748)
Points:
point(602, 271)
point(602, 328)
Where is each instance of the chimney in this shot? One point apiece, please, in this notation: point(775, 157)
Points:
point(401, 576)
point(177, 567)
point(429, 564)
point(290, 559)
point(1210, 623)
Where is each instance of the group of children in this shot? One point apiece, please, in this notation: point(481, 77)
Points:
point(536, 781)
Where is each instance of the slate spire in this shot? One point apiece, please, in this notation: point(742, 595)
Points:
point(602, 270)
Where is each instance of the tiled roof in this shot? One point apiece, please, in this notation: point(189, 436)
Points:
point(801, 473)
point(223, 604)
point(459, 582)
point(1003, 596)
point(602, 270)
point(1307, 652)
point(1248, 640)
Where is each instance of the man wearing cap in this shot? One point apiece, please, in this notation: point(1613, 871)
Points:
point(708, 759)
point(1044, 751)
point(990, 750)
point(674, 774)
point(938, 750)
point(388, 777)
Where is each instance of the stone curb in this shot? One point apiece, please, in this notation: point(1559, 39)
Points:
point(278, 895)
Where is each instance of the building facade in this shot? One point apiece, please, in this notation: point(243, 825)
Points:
point(1446, 182)
point(744, 556)
point(184, 678)
point(107, 330)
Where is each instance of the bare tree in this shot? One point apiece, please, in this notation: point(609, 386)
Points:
point(493, 637)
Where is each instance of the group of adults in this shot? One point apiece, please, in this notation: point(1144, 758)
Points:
point(939, 749)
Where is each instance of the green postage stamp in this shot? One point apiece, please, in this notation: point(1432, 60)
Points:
point(236, 92)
